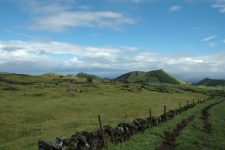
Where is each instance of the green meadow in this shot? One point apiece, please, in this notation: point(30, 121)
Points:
point(39, 107)
point(192, 137)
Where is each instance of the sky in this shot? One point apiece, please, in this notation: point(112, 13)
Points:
point(186, 38)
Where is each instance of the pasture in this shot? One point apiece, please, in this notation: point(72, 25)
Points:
point(191, 135)
point(39, 107)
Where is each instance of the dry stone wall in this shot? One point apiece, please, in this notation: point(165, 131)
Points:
point(123, 131)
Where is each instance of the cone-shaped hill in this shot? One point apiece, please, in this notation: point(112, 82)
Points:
point(151, 76)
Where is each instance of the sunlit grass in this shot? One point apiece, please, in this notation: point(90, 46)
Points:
point(44, 111)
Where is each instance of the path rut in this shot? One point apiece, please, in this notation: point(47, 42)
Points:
point(170, 137)
point(205, 116)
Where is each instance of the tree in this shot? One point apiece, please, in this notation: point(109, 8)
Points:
point(89, 80)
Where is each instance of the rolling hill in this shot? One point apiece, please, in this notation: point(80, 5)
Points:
point(212, 82)
point(159, 76)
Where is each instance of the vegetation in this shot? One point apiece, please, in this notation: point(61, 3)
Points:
point(39, 107)
point(211, 82)
point(159, 76)
point(85, 75)
point(191, 137)
point(194, 136)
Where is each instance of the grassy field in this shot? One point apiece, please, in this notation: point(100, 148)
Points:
point(39, 107)
point(192, 137)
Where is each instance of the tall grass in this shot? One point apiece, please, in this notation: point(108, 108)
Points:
point(44, 110)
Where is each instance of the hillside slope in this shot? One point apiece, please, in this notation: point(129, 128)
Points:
point(151, 76)
point(212, 82)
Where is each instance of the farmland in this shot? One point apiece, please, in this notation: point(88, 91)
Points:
point(39, 107)
point(192, 135)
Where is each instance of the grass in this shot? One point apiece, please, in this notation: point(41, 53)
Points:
point(155, 76)
point(152, 138)
point(217, 120)
point(43, 109)
point(194, 137)
point(212, 82)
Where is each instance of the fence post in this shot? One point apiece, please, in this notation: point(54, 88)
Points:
point(165, 113)
point(179, 106)
point(101, 130)
point(150, 113)
point(187, 102)
point(125, 116)
point(193, 102)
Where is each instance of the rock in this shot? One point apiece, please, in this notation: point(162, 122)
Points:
point(56, 144)
point(93, 139)
point(81, 141)
point(71, 91)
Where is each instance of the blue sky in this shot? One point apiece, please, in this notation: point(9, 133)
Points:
point(109, 37)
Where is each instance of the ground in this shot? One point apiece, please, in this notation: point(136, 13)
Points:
point(185, 132)
point(39, 107)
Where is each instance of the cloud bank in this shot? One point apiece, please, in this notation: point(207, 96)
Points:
point(39, 57)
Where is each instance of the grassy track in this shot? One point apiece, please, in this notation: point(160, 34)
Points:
point(170, 137)
point(196, 137)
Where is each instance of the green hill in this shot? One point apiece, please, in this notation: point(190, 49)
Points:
point(90, 77)
point(151, 76)
point(212, 82)
point(85, 75)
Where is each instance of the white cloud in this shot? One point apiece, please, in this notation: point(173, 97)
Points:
point(209, 38)
point(37, 7)
point(63, 20)
point(48, 56)
point(220, 5)
point(59, 15)
point(175, 8)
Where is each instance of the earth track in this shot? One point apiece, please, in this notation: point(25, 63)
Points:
point(205, 116)
point(170, 137)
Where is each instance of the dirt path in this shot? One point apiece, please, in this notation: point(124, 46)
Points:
point(205, 116)
point(170, 137)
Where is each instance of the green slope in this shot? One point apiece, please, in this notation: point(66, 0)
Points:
point(212, 82)
point(151, 76)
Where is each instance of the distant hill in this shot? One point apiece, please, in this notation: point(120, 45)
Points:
point(85, 75)
point(91, 77)
point(212, 82)
point(151, 76)
point(23, 79)
point(52, 75)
